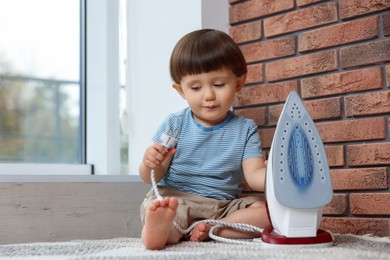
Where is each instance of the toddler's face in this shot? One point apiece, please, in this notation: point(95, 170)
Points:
point(210, 95)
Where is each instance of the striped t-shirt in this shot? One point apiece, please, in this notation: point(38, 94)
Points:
point(208, 160)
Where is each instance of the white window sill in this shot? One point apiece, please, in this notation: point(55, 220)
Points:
point(44, 169)
point(68, 178)
point(27, 172)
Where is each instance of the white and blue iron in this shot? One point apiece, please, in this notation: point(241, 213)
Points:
point(298, 183)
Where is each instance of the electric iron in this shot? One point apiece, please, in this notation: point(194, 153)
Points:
point(298, 183)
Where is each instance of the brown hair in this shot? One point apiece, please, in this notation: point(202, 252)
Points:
point(203, 51)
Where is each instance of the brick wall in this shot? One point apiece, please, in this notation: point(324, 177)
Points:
point(336, 54)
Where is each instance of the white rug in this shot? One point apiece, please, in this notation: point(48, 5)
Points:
point(345, 247)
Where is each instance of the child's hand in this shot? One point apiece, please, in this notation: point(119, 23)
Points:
point(155, 155)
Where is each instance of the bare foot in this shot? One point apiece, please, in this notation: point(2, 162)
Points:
point(158, 222)
point(200, 232)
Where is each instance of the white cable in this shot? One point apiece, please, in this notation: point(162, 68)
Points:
point(217, 223)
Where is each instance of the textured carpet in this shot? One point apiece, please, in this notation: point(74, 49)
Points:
point(345, 247)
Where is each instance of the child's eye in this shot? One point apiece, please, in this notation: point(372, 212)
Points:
point(219, 84)
point(195, 88)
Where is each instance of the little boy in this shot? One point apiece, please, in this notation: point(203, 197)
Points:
point(216, 149)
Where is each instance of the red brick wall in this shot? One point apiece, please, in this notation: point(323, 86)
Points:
point(336, 54)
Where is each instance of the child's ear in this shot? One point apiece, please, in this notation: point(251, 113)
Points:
point(240, 82)
point(179, 89)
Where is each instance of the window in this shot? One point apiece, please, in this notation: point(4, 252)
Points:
point(40, 82)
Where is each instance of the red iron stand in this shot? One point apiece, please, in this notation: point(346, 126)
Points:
point(323, 239)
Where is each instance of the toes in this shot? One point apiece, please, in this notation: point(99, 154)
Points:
point(164, 202)
point(152, 207)
point(202, 227)
point(200, 232)
point(173, 203)
point(161, 202)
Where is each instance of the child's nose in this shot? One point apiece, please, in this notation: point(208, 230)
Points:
point(209, 94)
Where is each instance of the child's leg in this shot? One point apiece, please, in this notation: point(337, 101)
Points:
point(158, 229)
point(255, 214)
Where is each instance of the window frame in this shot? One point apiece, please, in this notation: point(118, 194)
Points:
point(102, 87)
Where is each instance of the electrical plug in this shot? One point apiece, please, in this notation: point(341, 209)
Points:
point(169, 141)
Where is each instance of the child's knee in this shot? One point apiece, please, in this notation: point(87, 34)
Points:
point(260, 213)
point(257, 204)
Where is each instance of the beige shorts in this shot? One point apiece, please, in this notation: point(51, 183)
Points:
point(193, 208)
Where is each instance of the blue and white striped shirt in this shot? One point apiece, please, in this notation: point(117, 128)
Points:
point(208, 160)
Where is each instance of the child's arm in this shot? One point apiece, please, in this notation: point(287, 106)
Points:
point(254, 172)
point(156, 157)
